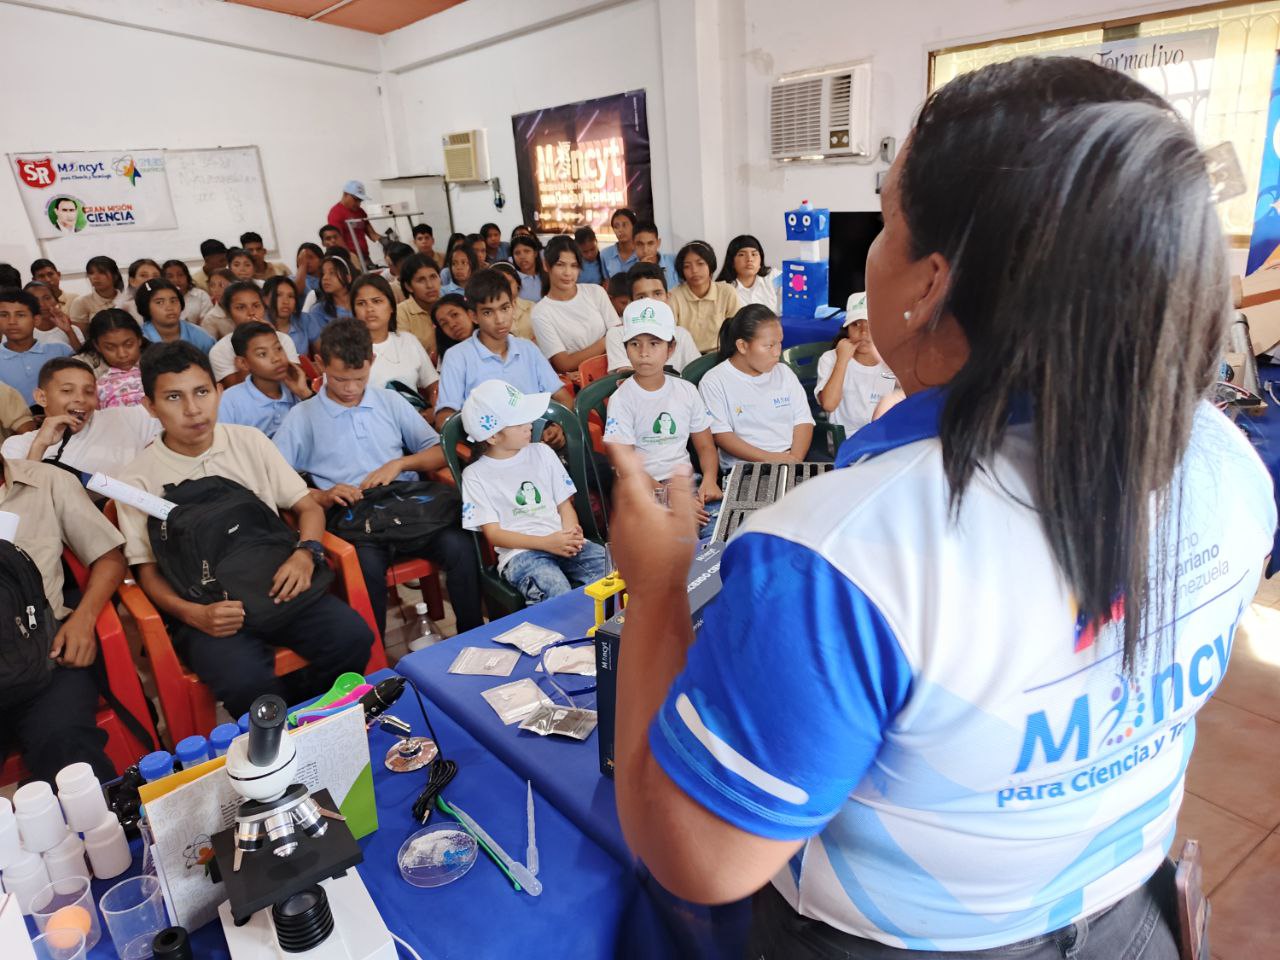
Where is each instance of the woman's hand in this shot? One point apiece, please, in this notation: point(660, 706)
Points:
point(652, 545)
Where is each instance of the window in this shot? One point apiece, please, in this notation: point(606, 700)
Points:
point(1220, 79)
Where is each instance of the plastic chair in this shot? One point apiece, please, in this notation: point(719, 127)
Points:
point(589, 371)
point(123, 748)
point(591, 405)
point(697, 369)
point(187, 704)
point(803, 361)
point(308, 367)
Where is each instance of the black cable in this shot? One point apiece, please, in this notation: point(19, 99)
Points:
point(440, 772)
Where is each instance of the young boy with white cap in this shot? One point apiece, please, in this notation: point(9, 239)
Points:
point(520, 496)
point(655, 413)
point(852, 379)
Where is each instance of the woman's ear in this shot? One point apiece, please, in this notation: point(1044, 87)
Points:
point(935, 281)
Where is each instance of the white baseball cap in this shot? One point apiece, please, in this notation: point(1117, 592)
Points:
point(495, 405)
point(856, 309)
point(648, 316)
point(356, 189)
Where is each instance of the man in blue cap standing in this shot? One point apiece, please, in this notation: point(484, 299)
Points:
point(348, 208)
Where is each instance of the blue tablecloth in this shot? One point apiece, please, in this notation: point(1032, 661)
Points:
point(825, 326)
point(566, 771)
point(592, 906)
point(1264, 432)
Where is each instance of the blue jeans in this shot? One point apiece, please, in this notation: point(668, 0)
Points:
point(539, 575)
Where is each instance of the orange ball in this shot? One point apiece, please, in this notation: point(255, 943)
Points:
point(69, 918)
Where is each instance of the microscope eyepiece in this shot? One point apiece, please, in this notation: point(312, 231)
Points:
point(266, 726)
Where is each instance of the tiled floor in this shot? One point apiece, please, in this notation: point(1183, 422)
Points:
point(1232, 803)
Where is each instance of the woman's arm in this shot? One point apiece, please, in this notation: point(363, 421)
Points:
point(567, 362)
point(735, 446)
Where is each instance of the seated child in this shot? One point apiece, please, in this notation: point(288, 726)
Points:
point(215, 321)
point(21, 354)
point(592, 268)
point(759, 411)
point(272, 384)
point(618, 288)
point(52, 324)
point(280, 297)
point(240, 263)
point(494, 353)
point(214, 254)
point(648, 247)
point(75, 432)
point(114, 348)
point(701, 304)
point(196, 302)
point(420, 284)
point(655, 413)
point(350, 437)
point(852, 379)
point(648, 281)
point(745, 270)
point(242, 302)
point(237, 664)
point(397, 356)
point(520, 496)
point(140, 271)
point(526, 257)
point(59, 726)
point(522, 309)
point(107, 291)
point(455, 322)
point(333, 300)
point(396, 254)
point(160, 304)
point(47, 272)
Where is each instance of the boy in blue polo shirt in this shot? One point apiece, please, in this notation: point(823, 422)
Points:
point(22, 356)
point(272, 384)
point(350, 438)
point(492, 353)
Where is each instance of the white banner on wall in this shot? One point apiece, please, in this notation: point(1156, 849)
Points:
point(1178, 66)
point(87, 192)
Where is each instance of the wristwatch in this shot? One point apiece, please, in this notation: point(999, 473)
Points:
point(315, 548)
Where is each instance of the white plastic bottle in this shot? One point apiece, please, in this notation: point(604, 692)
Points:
point(421, 631)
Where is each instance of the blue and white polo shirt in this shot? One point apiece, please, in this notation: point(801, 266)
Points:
point(913, 696)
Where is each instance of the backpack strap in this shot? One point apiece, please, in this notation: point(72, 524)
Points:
point(131, 723)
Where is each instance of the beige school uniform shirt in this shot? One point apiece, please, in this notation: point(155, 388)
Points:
point(14, 412)
point(54, 511)
point(242, 454)
point(84, 307)
point(703, 316)
point(413, 319)
point(522, 320)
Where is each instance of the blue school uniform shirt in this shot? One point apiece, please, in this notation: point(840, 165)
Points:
point(450, 287)
point(592, 271)
point(530, 287)
point(471, 363)
point(968, 765)
point(22, 370)
point(315, 320)
point(248, 406)
point(337, 444)
point(187, 331)
point(504, 254)
point(611, 262)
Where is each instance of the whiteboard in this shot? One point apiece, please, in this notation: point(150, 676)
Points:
point(217, 192)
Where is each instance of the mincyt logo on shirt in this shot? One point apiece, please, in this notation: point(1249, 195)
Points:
point(782, 401)
point(664, 430)
point(528, 500)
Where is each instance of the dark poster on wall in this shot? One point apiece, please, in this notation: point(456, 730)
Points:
point(580, 162)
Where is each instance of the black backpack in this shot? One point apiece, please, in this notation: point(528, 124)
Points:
point(397, 514)
point(27, 627)
point(222, 543)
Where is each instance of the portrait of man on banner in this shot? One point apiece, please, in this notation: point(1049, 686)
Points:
point(66, 214)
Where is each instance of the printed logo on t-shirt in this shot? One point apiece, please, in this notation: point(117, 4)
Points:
point(781, 402)
point(664, 430)
point(528, 499)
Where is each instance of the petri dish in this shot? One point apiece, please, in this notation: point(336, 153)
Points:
point(436, 855)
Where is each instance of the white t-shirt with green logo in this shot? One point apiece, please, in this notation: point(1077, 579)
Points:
point(657, 423)
point(521, 494)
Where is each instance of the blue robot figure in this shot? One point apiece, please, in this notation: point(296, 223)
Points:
point(804, 281)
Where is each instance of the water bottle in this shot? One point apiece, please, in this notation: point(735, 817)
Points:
point(418, 632)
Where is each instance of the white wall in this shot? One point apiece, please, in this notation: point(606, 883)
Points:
point(106, 74)
point(897, 36)
point(482, 67)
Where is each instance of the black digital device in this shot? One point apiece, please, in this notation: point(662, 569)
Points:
point(851, 236)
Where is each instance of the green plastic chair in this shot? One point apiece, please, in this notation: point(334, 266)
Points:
point(697, 369)
point(591, 399)
point(803, 361)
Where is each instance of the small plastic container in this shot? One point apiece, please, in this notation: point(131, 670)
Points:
point(108, 849)
point(436, 856)
point(59, 945)
point(134, 912)
point(25, 877)
point(156, 766)
point(192, 751)
point(67, 904)
point(243, 723)
point(81, 797)
point(220, 738)
point(67, 860)
point(10, 839)
point(39, 817)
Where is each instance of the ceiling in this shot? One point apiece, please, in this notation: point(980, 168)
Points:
point(372, 16)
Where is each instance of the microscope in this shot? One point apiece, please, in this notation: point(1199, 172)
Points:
point(303, 900)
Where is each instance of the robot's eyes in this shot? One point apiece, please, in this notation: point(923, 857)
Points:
point(807, 220)
point(791, 219)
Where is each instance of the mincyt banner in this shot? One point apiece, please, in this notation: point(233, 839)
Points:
point(580, 162)
point(90, 191)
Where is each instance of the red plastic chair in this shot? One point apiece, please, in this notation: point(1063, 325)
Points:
point(187, 704)
point(308, 367)
point(123, 748)
point(592, 370)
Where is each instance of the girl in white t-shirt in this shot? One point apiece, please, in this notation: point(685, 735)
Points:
point(571, 321)
point(397, 355)
point(759, 411)
point(852, 379)
point(745, 270)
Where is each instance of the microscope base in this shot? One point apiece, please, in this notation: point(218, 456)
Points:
point(358, 930)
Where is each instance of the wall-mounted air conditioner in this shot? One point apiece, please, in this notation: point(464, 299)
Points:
point(821, 115)
point(466, 157)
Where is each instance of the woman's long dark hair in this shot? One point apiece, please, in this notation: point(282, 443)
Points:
point(743, 241)
point(271, 293)
point(323, 297)
point(379, 283)
point(1088, 273)
point(742, 326)
point(539, 269)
